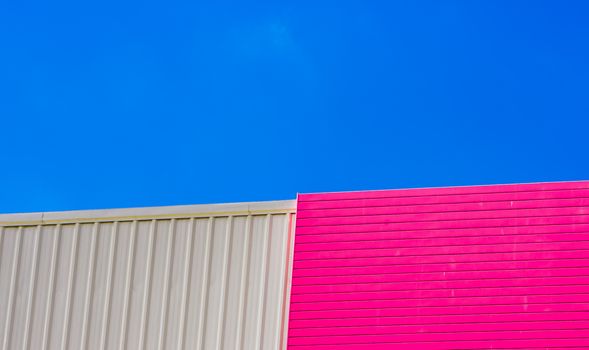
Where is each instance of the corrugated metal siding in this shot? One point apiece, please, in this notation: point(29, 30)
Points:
point(449, 268)
point(153, 278)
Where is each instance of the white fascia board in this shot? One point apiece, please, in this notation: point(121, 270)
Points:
point(198, 210)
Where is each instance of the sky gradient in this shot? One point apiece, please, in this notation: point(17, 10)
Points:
point(117, 104)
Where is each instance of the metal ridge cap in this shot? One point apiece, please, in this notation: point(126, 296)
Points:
point(145, 213)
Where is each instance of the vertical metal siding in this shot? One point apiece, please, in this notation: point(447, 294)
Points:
point(449, 268)
point(151, 278)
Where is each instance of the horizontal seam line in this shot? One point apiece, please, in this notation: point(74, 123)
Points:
point(443, 341)
point(477, 288)
point(445, 237)
point(436, 280)
point(441, 272)
point(367, 205)
point(436, 299)
point(436, 263)
point(440, 254)
point(438, 324)
point(435, 212)
point(443, 245)
point(446, 220)
point(447, 332)
point(437, 307)
point(445, 228)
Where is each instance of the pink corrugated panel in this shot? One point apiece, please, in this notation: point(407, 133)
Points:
point(476, 267)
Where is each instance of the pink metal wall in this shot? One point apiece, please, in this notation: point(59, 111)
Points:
point(445, 268)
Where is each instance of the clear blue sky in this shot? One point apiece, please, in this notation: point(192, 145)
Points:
point(123, 103)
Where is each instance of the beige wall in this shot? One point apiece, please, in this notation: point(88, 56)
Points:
point(187, 277)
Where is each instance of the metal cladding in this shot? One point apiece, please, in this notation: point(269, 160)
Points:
point(476, 267)
point(482, 267)
point(187, 277)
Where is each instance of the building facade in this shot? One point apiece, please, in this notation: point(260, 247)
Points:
point(187, 277)
point(476, 267)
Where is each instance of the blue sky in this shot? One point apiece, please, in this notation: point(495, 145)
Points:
point(122, 103)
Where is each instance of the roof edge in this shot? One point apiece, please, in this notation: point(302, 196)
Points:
point(146, 213)
point(448, 186)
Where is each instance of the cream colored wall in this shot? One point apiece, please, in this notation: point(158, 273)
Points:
point(186, 277)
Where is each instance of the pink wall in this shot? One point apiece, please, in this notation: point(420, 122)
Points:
point(445, 268)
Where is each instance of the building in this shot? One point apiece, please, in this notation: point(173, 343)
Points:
point(477, 267)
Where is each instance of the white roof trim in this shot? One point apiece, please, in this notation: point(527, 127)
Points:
point(146, 213)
